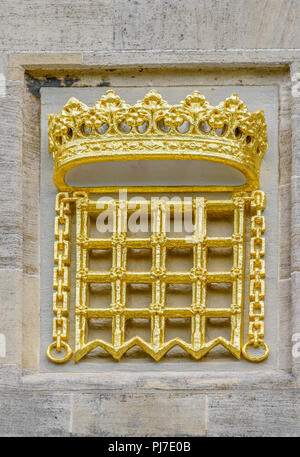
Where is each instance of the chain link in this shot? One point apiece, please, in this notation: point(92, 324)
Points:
point(256, 330)
point(61, 279)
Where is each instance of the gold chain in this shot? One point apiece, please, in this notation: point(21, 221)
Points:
point(256, 329)
point(61, 280)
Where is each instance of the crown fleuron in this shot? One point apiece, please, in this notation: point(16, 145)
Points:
point(153, 129)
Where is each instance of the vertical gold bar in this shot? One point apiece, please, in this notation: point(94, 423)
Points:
point(119, 270)
point(82, 227)
point(199, 270)
point(163, 255)
point(238, 271)
point(158, 269)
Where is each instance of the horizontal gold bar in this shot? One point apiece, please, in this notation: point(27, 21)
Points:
point(171, 313)
point(219, 242)
point(106, 243)
point(219, 277)
point(142, 277)
point(221, 206)
point(144, 243)
point(98, 276)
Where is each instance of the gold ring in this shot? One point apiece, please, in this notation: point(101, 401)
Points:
point(257, 358)
point(67, 356)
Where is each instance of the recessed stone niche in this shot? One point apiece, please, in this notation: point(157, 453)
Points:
point(184, 173)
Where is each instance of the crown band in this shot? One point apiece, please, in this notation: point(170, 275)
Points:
point(152, 129)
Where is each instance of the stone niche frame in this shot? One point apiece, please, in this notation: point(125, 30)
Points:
point(71, 405)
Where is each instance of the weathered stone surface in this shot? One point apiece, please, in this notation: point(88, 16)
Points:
point(34, 414)
point(3, 63)
point(51, 26)
point(11, 316)
point(11, 176)
point(31, 160)
point(16, 62)
point(31, 323)
point(295, 327)
point(206, 25)
point(10, 375)
point(295, 111)
point(255, 413)
point(125, 24)
point(144, 381)
point(140, 27)
point(284, 231)
point(139, 415)
point(295, 226)
point(295, 209)
point(212, 37)
point(285, 327)
point(261, 412)
point(285, 133)
point(187, 58)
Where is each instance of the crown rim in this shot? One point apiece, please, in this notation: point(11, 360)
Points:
point(116, 145)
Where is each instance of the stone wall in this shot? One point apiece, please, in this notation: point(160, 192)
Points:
point(83, 43)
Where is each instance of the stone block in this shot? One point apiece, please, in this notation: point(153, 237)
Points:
point(206, 25)
point(34, 414)
point(284, 230)
point(11, 316)
point(150, 414)
point(256, 413)
point(50, 26)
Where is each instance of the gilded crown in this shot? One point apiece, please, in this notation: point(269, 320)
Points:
point(153, 129)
